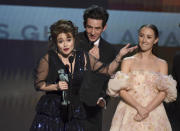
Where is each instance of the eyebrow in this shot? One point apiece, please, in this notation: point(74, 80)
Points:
point(94, 27)
point(69, 36)
point(62, 38)
point(147, 34)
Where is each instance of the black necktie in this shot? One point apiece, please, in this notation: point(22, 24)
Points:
point(91, 44)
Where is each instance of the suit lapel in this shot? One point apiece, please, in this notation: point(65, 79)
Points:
point(102, 50)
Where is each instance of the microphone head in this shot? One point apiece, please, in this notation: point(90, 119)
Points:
point(71, 58)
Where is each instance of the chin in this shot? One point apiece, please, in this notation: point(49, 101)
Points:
point(65, 54)
point(144, 50)
point(92, 40)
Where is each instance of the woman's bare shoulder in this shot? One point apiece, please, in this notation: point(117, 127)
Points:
point(162, 65)
point(161, 62)
point(129, 59)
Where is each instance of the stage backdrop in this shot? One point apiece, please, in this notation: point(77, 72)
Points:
point(32, 23)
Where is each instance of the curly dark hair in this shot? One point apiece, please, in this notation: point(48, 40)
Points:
point(96, 12)
point(61, 26)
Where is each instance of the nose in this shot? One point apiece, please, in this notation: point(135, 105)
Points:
point(93, 31)
point(144, 39)
point(65, 44)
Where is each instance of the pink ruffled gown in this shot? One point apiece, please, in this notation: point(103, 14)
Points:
point(143, 86)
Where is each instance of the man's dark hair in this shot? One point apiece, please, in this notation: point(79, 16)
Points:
point(96, 12)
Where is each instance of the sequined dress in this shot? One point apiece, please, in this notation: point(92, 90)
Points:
point(48, 110)
point(143, 86)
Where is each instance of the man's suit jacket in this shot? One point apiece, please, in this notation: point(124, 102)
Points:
point(173, 109)
point(107, 55)
point(176, 69)
point(106, 50)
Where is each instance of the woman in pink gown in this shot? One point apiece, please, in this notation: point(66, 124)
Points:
point(143, 84)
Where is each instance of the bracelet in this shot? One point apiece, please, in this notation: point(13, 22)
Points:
point(58, 88)
point(117, 61)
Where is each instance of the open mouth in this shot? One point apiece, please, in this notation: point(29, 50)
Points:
point(92, 36)
point(66, 49)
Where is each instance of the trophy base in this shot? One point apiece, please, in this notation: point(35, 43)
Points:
point(65, 103)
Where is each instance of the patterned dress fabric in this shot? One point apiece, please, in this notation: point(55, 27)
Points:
point(143, 86)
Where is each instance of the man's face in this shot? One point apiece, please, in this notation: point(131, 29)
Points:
point(94, 29)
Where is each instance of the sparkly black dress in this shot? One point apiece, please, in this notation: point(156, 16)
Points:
point(48, 110)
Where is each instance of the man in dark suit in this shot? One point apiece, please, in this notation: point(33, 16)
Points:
point(95, 19)
point(174, 115)
point(176, 69)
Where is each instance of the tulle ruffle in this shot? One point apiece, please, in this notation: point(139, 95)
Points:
point(168, 84)
point(124, 81)
point(118, 82)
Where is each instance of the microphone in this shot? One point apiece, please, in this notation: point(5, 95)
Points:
point(63, 76)
point(71, 58)
point(67, 70)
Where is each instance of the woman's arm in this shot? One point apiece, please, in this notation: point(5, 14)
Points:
point(156, 101)
point(112, 67)
point(125, 67)
point(162, 94)
point(41, 75)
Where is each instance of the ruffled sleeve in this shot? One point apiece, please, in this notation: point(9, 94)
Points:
point(119, 81)
point(168, 84)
